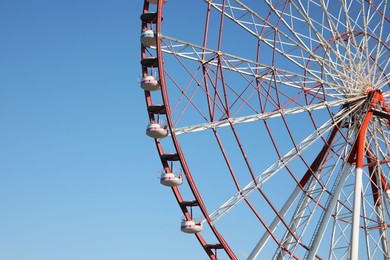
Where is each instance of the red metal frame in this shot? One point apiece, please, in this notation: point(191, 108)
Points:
point(208, 249)
point(220, 92)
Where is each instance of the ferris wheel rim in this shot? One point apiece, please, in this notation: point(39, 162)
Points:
point(173, 133)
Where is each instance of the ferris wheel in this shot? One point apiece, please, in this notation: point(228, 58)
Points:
point(271, 120)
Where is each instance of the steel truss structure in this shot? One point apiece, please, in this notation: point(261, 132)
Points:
point(278, 117)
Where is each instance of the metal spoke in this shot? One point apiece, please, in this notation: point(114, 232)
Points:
point(277, 166)
point(262, 116)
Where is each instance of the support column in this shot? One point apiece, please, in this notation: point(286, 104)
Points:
point(356, 215)
point(328, 213)
point(360, 151)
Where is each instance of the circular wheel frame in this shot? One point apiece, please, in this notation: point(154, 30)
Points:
point(278, 118)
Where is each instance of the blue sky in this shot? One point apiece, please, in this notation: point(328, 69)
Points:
point(78, 175)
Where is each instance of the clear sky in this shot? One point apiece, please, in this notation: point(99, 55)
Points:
point(78, 175)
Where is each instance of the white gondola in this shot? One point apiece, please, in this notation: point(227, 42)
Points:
point(155, 1)
point(155, 130)
point(149, 83)
point(171, 179)
point(190, 227)
point(148, 38)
